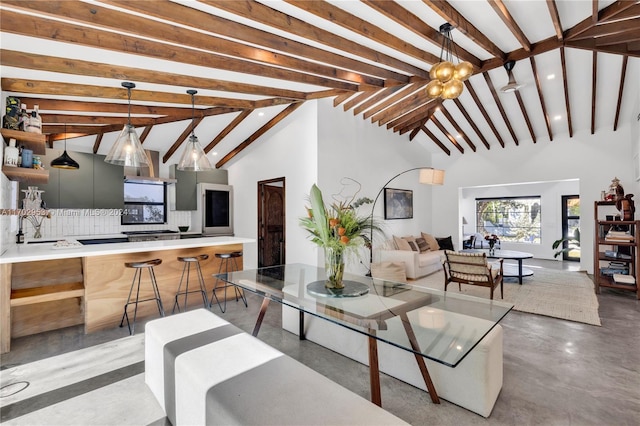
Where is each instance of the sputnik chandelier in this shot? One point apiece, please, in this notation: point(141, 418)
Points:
point(446, 78)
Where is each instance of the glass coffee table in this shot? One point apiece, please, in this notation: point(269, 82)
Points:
point(423, 321)
point(509, 270)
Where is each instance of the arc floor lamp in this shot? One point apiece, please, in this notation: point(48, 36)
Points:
point(428, 176)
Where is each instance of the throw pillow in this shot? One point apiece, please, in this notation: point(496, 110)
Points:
point(422, 245)
point(389, 271)
point(413, 245)
point(445, 243)
point(433, 244)
point(401, 243)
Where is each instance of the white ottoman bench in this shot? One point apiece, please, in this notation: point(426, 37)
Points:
point(205, 371)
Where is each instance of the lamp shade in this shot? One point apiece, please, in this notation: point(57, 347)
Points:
point(65, 162)
point(193, 157)
point(127, 150)
point(431, 176)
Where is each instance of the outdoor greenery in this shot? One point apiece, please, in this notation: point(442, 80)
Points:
point(511, 219)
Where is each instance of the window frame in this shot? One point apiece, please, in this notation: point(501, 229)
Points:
point(480, 223)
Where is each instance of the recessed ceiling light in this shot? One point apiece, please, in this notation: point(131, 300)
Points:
point(557, 117)
point(260, 114)
point(458, 136)
point(214, 153)
point(551, 76)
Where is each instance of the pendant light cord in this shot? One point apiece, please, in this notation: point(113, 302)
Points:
point(193, 117)
point(129, 106)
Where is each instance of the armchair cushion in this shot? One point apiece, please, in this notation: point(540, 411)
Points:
point(473, 269)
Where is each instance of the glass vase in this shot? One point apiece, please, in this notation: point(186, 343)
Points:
point(334, 267)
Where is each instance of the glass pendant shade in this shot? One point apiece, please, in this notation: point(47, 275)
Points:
point(193, 157)
point(127, 150)
point(444, 71)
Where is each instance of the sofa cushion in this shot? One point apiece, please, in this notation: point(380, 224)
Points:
point(445, 243)
point(414, 246)
point(433, 244)
point(389, 271)
point(401, 243)
point(422, 245)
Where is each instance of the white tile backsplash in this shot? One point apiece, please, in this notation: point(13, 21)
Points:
point(70, 222)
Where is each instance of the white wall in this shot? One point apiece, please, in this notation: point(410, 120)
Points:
point(592, 159)
point(551, 215)
point(289, 150)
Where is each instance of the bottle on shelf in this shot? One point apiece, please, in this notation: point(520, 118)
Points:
point(35, 121)
point(27, 158)
point(11, 154)
point(24, 118)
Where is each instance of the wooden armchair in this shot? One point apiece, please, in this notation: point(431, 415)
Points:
point(473, 269)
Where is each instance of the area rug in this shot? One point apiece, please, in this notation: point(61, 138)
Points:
point(560, 294)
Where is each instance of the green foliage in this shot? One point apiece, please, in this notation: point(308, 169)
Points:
point(572, 242)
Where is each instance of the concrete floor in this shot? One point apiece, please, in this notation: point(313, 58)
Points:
point(555, 372)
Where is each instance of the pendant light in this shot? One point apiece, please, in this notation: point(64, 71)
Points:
point(127, 150)
point(446, 78)
point(64, 161)
point(193, 157)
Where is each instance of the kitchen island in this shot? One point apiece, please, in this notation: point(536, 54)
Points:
point(45, 287)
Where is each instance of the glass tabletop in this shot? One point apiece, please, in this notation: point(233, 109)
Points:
point(446, 325)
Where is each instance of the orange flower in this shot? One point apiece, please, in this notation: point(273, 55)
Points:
point(341, 231)
point(344, 239)
point(333, 222)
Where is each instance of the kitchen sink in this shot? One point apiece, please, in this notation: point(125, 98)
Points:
point(103, 241)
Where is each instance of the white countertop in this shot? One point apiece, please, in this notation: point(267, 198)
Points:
point(47, 251)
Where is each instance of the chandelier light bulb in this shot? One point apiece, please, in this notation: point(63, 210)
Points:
point(463, 71)
point(452, 89)
point(444, 72)
point(434, 88)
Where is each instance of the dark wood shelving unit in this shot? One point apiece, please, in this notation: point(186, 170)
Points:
point(33, 141)
point(601, 245)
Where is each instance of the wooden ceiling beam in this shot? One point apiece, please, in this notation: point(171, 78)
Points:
point(472, 123)
point(447, 134)
point(360, 97)
point(102, 107)
point(414, 117)
point(260, 13)
point(604, 15)
point(93, 14)
point(608, 29)
point(341, 98)
point(543, 46)
point(456, 126)
point(234, 123)
point(379, 96)
point(95, 69)
point(536, 77)
point(28, 25)
point(261, 131)
point(180, 140)
point(501, 10)
point(92, 119)
point(620, 38)
point(525, 115)
point(623, 74)
point(435, 140)
point(145, 133)
point(416, 125)
point(628, 13)
point(594, 82)
point(191, 17)
point(405, 91)
point(88, 129)
point(594, 11)
point(565, 84)
point(327, 94)
point(452, 16)
point(503, 113)
point(334, 14)
point(402, 16)
point(630, 49)
point(98, 141)
point(402, 107)
point(555, 18)
point(484, 112)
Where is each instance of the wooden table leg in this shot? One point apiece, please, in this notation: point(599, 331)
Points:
point(374, 370)
point(263, 310)
point(420, 359)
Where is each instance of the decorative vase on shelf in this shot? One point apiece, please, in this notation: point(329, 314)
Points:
point(334, 267)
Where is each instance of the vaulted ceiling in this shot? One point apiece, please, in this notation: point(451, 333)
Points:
point(254, 63)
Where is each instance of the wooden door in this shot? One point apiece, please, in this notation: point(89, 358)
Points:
point(271, 220)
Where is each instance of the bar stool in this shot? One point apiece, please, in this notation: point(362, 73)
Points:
point(139, 266)
point(188, 261)
point(227, 260)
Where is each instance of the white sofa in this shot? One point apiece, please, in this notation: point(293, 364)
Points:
point(417, 264)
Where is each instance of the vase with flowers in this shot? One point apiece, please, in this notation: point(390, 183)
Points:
point(492, 240)
point(339, 230)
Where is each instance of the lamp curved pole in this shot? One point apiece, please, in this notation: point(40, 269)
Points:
point(374, 207)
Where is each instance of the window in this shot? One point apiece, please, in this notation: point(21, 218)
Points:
point(511, 219)
point(144, 203)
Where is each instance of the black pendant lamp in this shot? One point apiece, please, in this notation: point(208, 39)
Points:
point(64, 161)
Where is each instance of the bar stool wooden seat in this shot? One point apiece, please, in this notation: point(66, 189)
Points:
point(188, 261)
point(137, 276)
point(228, 263)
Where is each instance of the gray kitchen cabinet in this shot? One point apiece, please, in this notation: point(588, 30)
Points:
point(76, 186)
point(187, 183)
point(96, 185)
point(108, 184)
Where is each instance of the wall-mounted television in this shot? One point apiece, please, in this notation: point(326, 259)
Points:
point(144, 204)
point(215, 209)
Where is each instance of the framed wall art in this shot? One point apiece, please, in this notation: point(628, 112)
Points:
point(398, 203)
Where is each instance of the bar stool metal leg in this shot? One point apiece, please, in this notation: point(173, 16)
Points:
point(187, 269)
point(225, 263)
point(137, 278)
